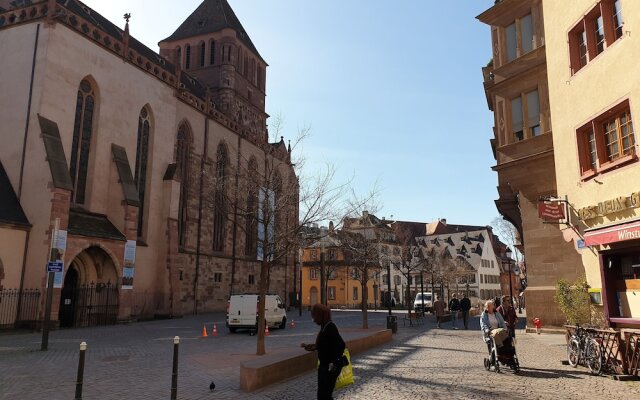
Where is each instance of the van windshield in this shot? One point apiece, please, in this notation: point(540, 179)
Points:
point(427, 297)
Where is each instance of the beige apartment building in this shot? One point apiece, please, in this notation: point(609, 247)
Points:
point(594, 92)
point(517, 89)
point(150, 162)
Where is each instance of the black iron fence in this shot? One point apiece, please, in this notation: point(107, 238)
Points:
point(89, 305)
point(19, 309)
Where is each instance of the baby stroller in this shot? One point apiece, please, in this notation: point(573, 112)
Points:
point(503, 351)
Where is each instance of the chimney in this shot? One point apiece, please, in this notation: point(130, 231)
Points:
point(444, 221)
point(331, 227)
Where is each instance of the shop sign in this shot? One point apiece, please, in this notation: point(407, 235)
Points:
point(610, 206)
point(551, 210)
point(614, 234)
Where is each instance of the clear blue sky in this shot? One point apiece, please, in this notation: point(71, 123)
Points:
point(392, 90)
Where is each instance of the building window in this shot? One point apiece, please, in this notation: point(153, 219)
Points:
point(520, 39)
point(332, 292)
point(332, 255)
point(617, 18)
point(251, 228)
point(492, 264)
point(217, 277)
point(481, 278)
point(183, 159)
point(144, 126)
point(228, 53)
point(314, 255)
point(212, 52)
point(252, 279)
point(203, 49)
point(525, 116)
point(397, 280)
point(187, 56)
point(601, 26)
point(81, 145)
point(332, 274)
point(219, 198)
point(606, 141)
point(245, 68)
point(355, 293)
point(313, 274)
point(385, 279)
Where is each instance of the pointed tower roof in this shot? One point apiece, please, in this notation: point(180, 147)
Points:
point(213, 16)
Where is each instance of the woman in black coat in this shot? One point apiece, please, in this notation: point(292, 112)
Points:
point(330, 347)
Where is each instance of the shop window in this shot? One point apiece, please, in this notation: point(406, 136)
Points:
point(591, 36)
point(331, 292)
point(607, 141)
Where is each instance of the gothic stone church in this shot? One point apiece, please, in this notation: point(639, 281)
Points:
point(128, 150)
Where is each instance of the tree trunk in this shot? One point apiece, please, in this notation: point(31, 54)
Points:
point(264, 284)
point(408, 297)
point(365, 298)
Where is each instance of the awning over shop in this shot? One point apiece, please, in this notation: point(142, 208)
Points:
point(613, 234)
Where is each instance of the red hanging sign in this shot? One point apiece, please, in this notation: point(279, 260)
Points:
point(551, 210)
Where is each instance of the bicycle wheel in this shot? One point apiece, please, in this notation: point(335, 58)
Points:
point(573, 352)
point(594, 357)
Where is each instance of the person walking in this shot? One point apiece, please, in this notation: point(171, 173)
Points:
point(439, 306)
point(490, 320)
point(465, 306)
point(330, 347)
point(454, 307)
point(508, 313)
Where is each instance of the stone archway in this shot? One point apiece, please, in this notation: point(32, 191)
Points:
point(89, 294)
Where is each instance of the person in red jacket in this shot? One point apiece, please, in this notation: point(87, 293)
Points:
point(508, 314)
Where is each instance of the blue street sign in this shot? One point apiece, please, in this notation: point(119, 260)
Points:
point(55, 266)
point(581, 244)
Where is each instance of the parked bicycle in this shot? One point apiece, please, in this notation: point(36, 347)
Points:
point(582, 348)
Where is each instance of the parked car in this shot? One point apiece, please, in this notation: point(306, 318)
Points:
point(242, 312)
point(428, 302)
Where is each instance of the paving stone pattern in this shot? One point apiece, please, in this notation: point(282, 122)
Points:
point(134, 362)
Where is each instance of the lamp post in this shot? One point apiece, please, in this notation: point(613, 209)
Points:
point(508, 254)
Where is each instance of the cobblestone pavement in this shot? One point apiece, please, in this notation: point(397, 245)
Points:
point(134, 362)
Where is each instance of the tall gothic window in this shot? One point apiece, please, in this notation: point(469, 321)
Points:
point(212, 52)
point(276, 217)
point(183, 152)
point(252, 210)
point(144, 126)
point(219, 198)
point(203, 49)
point(187, 56)
point(81, 145)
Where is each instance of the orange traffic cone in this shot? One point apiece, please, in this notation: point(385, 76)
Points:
point(266, 330)
point(293, 324)
point(204, 331)
point(214, 332)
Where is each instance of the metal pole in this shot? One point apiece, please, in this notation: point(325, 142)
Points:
point(50, 278)
point(389, 285)
point(174, 375)
point(422, 290)
point(80, 377)
point(510, 288)
point(301, 293)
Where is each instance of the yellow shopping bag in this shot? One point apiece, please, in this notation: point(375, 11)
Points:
point(346, 375)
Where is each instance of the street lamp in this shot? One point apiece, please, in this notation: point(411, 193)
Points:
point(508, 254)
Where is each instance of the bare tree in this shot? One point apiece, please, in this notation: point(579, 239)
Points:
point(362, 254)
point(507, 232)
point(410, 260)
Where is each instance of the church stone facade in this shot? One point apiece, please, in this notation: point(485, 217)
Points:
point(130, 149)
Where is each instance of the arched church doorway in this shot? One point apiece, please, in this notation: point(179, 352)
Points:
point(89, 293)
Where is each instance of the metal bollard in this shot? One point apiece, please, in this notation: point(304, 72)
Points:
point(174, 376)
point(79, 379)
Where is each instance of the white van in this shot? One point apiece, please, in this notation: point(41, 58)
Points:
point(242, 312)
point(428, 302)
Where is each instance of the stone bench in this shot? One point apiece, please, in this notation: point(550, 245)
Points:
point(273, 368)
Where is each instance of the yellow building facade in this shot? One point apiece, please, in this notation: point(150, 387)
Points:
point(594, 95)
point(343, 285)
